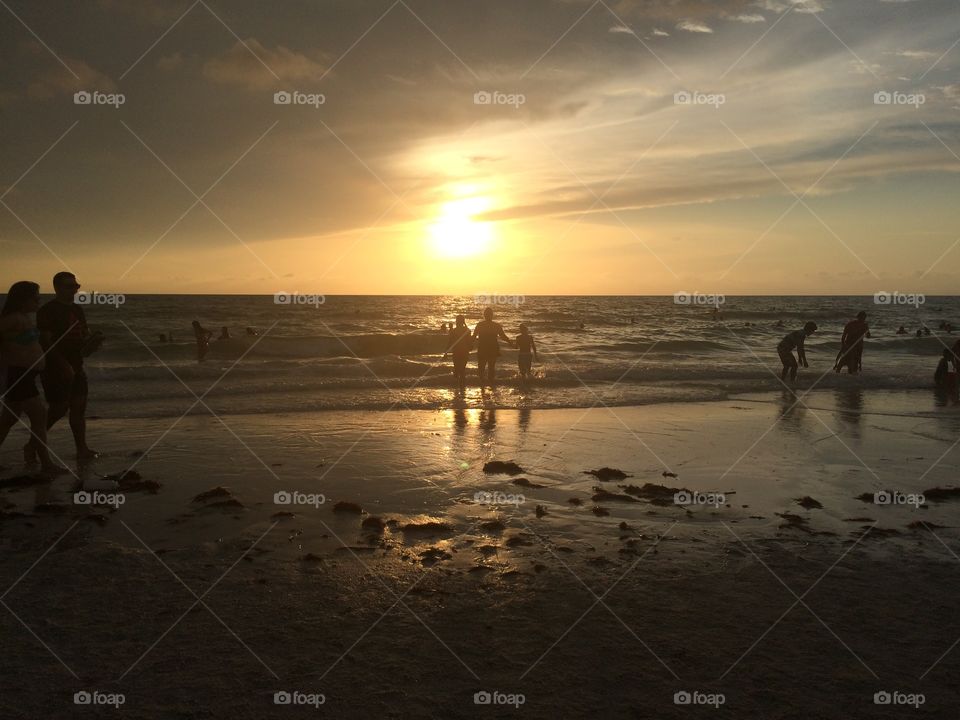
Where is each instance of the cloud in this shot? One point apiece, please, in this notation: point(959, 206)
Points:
point(694, 27)
point(917, 54)
point(660, 33)
point(55, 79)
point(754, 18)
point(809, 7)
point(250, 65)
point(622, 29)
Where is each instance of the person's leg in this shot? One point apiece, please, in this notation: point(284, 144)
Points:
point(8, 417)
point(793, 368)
point(38, 430)
point(492, 369)
point(481, 367)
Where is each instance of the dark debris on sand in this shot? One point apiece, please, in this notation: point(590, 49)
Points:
point(347, 507)
point(213, 493)
point(499, 467)
point(132, 481)
point(606, 474)
point(655, 494)
point(523, 482)
point(601, 495)
point(809, 503)
point(939, 494)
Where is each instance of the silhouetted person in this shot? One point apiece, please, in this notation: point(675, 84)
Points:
point(67, 340)
point(526, 351)
point(163, 337)
point(851, 344)
point(791, 341)
point(926, 330)
point(901, 330)
point(252, 332)
point(224, 333)
point(23, 357)
point(460, 342)
point(488, 333)
point(943, 369)
point(919, 332)
point(202, 336)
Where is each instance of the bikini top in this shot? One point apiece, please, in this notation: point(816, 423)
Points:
point(24, 337)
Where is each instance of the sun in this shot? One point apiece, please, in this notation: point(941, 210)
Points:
point(456, 233)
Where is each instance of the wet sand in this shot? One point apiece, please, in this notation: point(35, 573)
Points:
point(404, 592)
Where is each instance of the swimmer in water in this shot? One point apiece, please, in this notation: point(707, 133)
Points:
point(526, 351)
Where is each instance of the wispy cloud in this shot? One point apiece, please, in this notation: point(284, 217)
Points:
point(693, 26)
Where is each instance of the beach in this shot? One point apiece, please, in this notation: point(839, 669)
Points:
point(378, 560)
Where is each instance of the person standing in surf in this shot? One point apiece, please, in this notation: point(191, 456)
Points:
point(851, 344)
point(459, 344)
point(488, 334)
point(791, 341)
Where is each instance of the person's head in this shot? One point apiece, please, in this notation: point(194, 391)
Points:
point(65, 285)
point(196, 324)
point(523, 330)
point(810, 328)
point(461, 321)
point(23, 296)
point(861, 315)
point(225, 330)
point(488, 313)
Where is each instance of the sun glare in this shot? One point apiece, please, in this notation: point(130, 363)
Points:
point(456, 232)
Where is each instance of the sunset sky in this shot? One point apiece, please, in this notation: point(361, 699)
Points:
point(794, 181)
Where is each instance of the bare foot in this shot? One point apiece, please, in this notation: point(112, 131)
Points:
point(29, 454)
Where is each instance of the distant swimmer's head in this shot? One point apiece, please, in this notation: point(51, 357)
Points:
point(488, 313)
point(861, 315)
point(195, 323)
point(524, 330)
point(461, 321)
point(810, 328)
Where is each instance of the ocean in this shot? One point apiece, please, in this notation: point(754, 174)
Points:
point(381, 353)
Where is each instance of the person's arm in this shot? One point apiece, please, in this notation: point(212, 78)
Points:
point(502, 335)
point(802, 354)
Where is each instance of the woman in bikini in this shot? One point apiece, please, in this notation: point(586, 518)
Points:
point(22, 357)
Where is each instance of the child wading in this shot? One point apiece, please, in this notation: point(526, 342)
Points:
point(791, 341)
